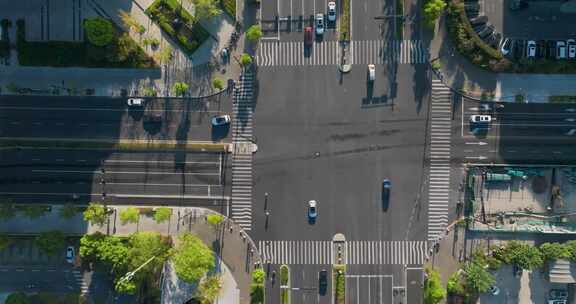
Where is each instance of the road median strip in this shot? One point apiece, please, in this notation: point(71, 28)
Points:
point(68, 143)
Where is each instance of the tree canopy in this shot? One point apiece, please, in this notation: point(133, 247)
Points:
point(205, 9)
point(51, 242)
point(162, 214)
point(254, 33)
point(99, 31)
point(192, 259)
point(477, 277)
point(434, 293)
point(432, 11)
point(129, 215)
point(96, 214)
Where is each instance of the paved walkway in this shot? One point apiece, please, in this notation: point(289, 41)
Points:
point(236, 249)
point(459, 73)
point(197, 70)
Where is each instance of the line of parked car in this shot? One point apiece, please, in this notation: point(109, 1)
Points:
point(519, 48)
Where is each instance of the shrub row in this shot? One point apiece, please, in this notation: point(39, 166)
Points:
point(467, 41)
point(562, 99)
point(345, 21)
point(229, 6)
point(339, 272)
point(189, 35)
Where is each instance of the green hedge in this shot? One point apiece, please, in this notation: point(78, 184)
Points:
point(345, 21)
point(229, 6)
point(190, 35)
point(467, 41)
point(562, 99)
point(123, 52)
point(339, 279)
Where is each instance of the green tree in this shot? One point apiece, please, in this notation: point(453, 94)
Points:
point(113, 252)
point(192, 259)
point(90, 245)
point(434, 293)
point(214, 219)
point(33, 211)
point(205, 9)
point(68, 211)
point(162, 214)
point(145, 245)
point(521, 254)
point(130, 22)
point(129, 215)
point(4, 241)
point(477, 277)
point(553, 251)
point(455, 284)
point(99, 31)
point(96, 214)
point(180, 89)
point(572, 247)
point(125, 47)
point(125, 286)
point(209, 289)
point(432, 11)
point(254, 33)
point(7, 210)
point(258, 276)
point(17, 298)
point(51, 242)
point(245, 60)
point(217, 83)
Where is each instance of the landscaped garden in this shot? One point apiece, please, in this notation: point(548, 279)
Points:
point(175, 21)
point(105, 46)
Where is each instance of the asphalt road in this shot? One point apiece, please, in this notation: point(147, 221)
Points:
point(110, 118)
point(519, 134)
point(304, 285)
point(137, 177)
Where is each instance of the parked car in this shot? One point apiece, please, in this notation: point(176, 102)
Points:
point(478, 20)
point(322, 281)
point(312, 210)
point(531, 49)
point(520, 49)
point(480, 118)
point(560, 49)
point(308, 39)
point(488, 30)
point(135, 102)
point(571, 48)
point(551, 49)
point(506, 46)
point(70, 254)
point(540, 48)
point(371, 72)
point(331, 11)
point(319, 24)
point(220, 120)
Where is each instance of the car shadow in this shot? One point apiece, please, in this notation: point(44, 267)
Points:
point(385, 200)
point(220, 132)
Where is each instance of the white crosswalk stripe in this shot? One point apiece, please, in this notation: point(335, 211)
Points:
point(292, 53)
point(382, 51)
point(79, 279)
point(241, 206)
point(357, 252)
point(440, 149)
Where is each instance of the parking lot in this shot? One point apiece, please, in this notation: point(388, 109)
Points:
point(523, 29)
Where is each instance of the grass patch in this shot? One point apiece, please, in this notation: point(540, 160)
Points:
point(57, 298)
point(122, 145)
point(399, 21)
point(229, 6)
point(338, 274)
point(188, 33)
point(123, 52)
point(562, 99)
point(345, 21)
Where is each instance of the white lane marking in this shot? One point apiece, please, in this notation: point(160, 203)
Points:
point(160, 162)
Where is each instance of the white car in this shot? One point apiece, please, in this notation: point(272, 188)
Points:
point(531, 49)
point(494, 290)
point(560, 50)
point(371, 72)
point(571, 48)
point(506, 45)
point(319, 24)
point(220, 120)
point(480, 118)
point(135, 102)
point(70, 255)
point(332, 11)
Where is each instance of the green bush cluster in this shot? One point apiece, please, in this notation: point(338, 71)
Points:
point(468, 43)
point(432, 10)
point(434, 293)
point(189, 35)
point(229, 6)
point(257, 286)
point(339, 272)
point(562, 99)
point(345, 21)
point(121, 52)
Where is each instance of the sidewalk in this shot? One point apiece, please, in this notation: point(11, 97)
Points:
point(232, 245)
point(197, 70)
point(460, 74)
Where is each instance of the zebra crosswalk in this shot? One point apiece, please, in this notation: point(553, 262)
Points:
point(79, 279)
point(241, 207)
point(381, 51)
point(440, 146)
point(357, 252)
point(293, 53)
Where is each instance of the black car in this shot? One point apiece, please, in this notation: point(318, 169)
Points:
point(322, 282)
point(540, 48)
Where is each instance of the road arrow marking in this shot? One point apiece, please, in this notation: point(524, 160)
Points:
point(570, 119)
point(477, 157)
point(480, 143)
